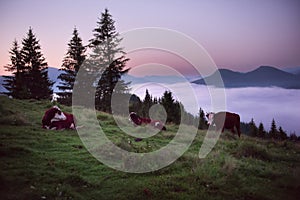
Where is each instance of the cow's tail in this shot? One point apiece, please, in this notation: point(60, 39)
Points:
point(74, 121)
point(238, 125)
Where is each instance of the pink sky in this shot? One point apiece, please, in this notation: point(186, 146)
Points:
point(238, 35)
point(144, 63)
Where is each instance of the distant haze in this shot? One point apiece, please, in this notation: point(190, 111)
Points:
point(261, 104)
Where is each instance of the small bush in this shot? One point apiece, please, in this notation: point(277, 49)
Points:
point(253, 151)
point(10, 118)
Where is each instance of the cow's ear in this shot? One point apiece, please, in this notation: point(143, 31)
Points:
point(56, 107)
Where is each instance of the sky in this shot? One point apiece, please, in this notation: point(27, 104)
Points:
point(239, 35)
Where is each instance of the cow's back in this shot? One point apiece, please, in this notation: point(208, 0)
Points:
point(219, 118)
point(227, 119)
point(231, 120)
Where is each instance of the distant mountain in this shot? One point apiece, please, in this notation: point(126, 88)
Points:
point(293, 70)
point(53, 73)
point(264, 76)
point(2, 89)
point(154, 79)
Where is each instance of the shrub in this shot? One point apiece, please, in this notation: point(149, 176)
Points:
point(252, 151)
point(8, 117)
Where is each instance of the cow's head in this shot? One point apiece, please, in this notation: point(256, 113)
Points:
point(51, 115)
point(210, 118)
point(58, 114)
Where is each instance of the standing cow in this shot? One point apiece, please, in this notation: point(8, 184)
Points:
point(224, 120)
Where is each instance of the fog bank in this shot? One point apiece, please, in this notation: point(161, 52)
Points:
point(261, 104)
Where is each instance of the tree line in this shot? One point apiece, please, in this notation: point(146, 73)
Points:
point(173, 111)
point(260, 132)
point(29, 69)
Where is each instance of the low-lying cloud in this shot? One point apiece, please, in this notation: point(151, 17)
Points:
point(261, 104)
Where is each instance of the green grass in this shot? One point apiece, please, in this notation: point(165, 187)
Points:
point(43, 164)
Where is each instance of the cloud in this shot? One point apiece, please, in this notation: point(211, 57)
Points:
point(261, 104)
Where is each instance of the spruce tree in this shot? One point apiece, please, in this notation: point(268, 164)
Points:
point(282, 134)
point(14, 84)
point(261, 131)
point(111, 60)
point(253, 128)
point(172, 107)
point(273, 131)
point(74, 58)
point(36, 80)
point(147, 103)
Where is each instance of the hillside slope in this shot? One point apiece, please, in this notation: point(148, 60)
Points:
point(43, 164)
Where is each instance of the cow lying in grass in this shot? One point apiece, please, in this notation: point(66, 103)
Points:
point(55, 119)
point(137, 120)
point(224, 120)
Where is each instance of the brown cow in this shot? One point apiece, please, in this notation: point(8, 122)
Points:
point(224, 120)
point(137, 120)
point(55, 119)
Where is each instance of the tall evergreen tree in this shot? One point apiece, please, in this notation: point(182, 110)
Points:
point(273, 131)
point(147, 103)
point(110, 57)
point(74, 58)
point(253, 128)
point(172, 107)
point(282, 134)
point(261, 130)
point(14, 84)
point(36, 80)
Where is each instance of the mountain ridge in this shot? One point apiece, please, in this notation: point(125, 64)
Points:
point(263, 76)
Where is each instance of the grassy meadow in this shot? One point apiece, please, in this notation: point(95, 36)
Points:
point(47, 164)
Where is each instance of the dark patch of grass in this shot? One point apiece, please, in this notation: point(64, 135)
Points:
point(250, 150)
point(10, 117)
